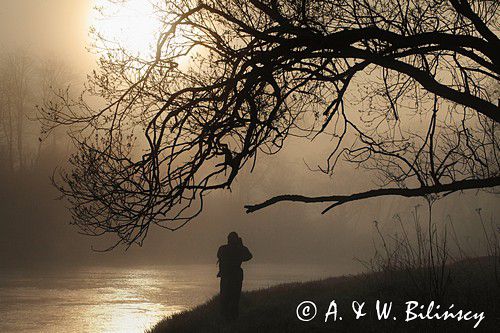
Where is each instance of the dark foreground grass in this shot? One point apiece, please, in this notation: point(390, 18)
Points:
point(471, 286)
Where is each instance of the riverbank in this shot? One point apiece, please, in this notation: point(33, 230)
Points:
point(470, 285)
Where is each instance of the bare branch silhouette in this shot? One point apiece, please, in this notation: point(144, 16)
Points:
point(407, 89)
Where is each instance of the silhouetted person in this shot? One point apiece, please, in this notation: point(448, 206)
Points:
point(230, 257)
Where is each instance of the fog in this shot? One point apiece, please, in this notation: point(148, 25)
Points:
point(36, 230)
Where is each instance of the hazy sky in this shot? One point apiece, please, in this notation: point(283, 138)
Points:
point(46, 27)
point(36, 227)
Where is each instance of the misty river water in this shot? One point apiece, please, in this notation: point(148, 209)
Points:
point(114, 299)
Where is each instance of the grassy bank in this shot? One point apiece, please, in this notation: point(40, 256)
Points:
point(470, 285)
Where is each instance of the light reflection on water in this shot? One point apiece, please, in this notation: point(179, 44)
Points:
point(121, 300)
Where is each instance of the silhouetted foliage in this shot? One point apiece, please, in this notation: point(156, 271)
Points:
point(406, 88)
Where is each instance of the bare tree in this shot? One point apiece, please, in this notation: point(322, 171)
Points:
point(54, 78)
point(406, 88)
point(15, 76)
point(6, 121)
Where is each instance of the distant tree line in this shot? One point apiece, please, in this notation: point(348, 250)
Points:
point(26, 82)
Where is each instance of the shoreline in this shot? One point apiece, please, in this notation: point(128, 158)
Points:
point(473, 288)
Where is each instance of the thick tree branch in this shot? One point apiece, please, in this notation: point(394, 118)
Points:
point(430, 84)
point(464, 8)
point(405, 192)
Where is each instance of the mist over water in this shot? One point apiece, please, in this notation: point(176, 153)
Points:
point(112, 299)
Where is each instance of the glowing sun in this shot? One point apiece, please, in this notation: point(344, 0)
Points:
point(130, 23)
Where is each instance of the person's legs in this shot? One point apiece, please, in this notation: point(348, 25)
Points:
point(230, 292)
point(232, 301)
point(224, 299)
point(236, 299)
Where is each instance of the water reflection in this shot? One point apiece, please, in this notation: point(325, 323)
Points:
point(126, 306)
point(120, 300)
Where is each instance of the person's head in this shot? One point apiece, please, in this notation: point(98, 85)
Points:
point(233, 238)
